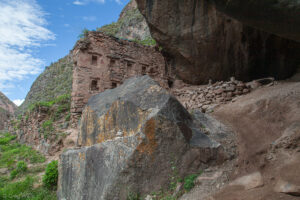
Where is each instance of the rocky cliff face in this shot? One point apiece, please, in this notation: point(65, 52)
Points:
point(278, 17)
point(130, 25)
point(207, 44)
point(45, 125)
point(56, 80)
point(7, 109)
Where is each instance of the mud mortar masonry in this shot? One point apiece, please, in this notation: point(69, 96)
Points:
point(103, 62)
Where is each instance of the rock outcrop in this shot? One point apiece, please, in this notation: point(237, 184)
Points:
point(207, 44)
point(131, 137)
point(45, 126)
point(7, 109)
point(278, 17)
point(131, 24)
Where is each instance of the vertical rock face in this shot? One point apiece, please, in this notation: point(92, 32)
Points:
point(207, 44)
point(7, 109)
point(131, 138)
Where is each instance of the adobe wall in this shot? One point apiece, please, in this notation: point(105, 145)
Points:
point(102, 62)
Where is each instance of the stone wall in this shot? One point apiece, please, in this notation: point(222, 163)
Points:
point(103, 62)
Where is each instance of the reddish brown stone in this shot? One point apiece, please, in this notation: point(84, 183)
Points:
point(102, 62)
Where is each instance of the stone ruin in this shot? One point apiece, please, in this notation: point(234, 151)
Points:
point(206, 97)
point(103, 62)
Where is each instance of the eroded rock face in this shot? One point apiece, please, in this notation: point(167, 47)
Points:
point(207, 44)
point(132, 137)
point(278, 17)
point(7, 109)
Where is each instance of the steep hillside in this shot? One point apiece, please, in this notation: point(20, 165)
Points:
point(56, 80)
point(7, 104)
point(7, 108)
point(130, 25)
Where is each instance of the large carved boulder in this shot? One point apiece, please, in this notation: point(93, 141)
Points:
point(204, 43)
point(132, 138)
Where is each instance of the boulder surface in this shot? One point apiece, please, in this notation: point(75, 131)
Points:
point(132, 139)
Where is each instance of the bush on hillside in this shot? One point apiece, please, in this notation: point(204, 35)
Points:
point(51, 175)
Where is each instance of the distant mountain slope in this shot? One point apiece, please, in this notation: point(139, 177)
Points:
point(7, 104)
point(56, 80)
point(131, 24)
point(7, 109)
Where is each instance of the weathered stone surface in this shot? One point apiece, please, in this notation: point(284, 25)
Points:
point(278, 17)
point(288, 188)
point(132, 136)
point(250, 181)
point(207, 44)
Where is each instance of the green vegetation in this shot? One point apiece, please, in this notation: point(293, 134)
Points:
point(149, 41)
point(133, 196)
point(20, 169)
point(47, 128)
point(131, 17)
point(12, 152)
point(56, 109)
point(51, 176)
point(68, 117)
point(62, 102)
point(189, 182)
point(24, 190)
point(110, 29)
point(15, 157)
point(168, 193)
point(83, 33)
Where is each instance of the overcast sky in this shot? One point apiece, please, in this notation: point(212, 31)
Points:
point(35, 33)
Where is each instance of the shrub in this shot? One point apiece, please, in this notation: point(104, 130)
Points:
point(68, 117)
point(146, 42)
point(13, 174)
point(84, 33)
point(189, 182)
point(7, 138)
point(133, 196)
point(18, 190)
point(47, 128)
point(51, 175)
point(21, 166)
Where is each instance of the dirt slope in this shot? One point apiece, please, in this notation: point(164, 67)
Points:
point(267, 125)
